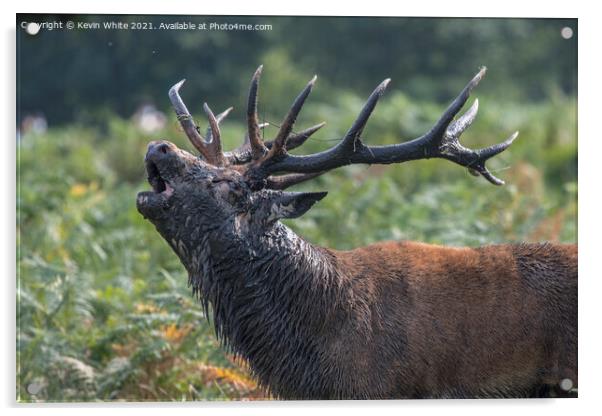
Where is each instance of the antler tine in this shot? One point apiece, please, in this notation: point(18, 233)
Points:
point(279, 143)
point(258, 149)
point(442, 141)
point(219, 118)
point(461, 124)
point(352, 136)
point(339, 155)
point(187, 122)
point(297, 139)
point(439, 128)
point(224, 114)
point(487, 153)
point(284, 181)
point(215, 145)
point(246, 140)
point(242, 154)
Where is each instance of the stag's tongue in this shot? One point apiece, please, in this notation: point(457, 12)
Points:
point(168, 190)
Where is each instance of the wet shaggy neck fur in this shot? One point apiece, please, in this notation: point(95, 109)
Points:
point(272, 298)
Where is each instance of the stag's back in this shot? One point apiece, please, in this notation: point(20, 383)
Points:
point(492, 320)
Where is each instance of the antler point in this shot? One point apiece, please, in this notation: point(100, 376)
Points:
point(477, 78)
point(175, 89)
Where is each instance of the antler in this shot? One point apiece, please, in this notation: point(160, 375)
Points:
point(242, 154)
point(442, 141)
point(218, 118)
point(262, 161)
point(253, 147)
point(258, 149)
point(211, 147)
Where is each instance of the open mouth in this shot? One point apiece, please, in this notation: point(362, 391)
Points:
point(159, 184)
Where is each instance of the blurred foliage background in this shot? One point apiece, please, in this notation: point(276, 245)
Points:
point(103, 308)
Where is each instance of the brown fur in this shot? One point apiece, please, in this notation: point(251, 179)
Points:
point(490, 320)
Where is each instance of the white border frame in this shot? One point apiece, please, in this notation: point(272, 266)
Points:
point(590, 274)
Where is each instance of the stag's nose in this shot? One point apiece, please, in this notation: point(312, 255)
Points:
point(158, 148)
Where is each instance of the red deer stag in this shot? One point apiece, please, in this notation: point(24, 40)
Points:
point(391, 320)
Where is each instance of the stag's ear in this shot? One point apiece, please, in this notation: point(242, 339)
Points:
point(292, 204)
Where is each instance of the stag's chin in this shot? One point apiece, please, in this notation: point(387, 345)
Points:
point(152, 205)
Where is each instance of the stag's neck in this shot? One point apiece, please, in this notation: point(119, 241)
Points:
point(278, 269)
point(271, 298)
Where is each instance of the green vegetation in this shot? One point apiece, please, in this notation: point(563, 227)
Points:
point(103, 308)
point(104, 312)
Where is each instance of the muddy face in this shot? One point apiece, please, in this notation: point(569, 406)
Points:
point(187, 192)
point(190, 197)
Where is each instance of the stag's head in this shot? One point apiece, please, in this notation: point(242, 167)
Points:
point(217, 189)
point(243, 190)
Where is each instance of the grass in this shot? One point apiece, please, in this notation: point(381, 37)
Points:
point(103, 308)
